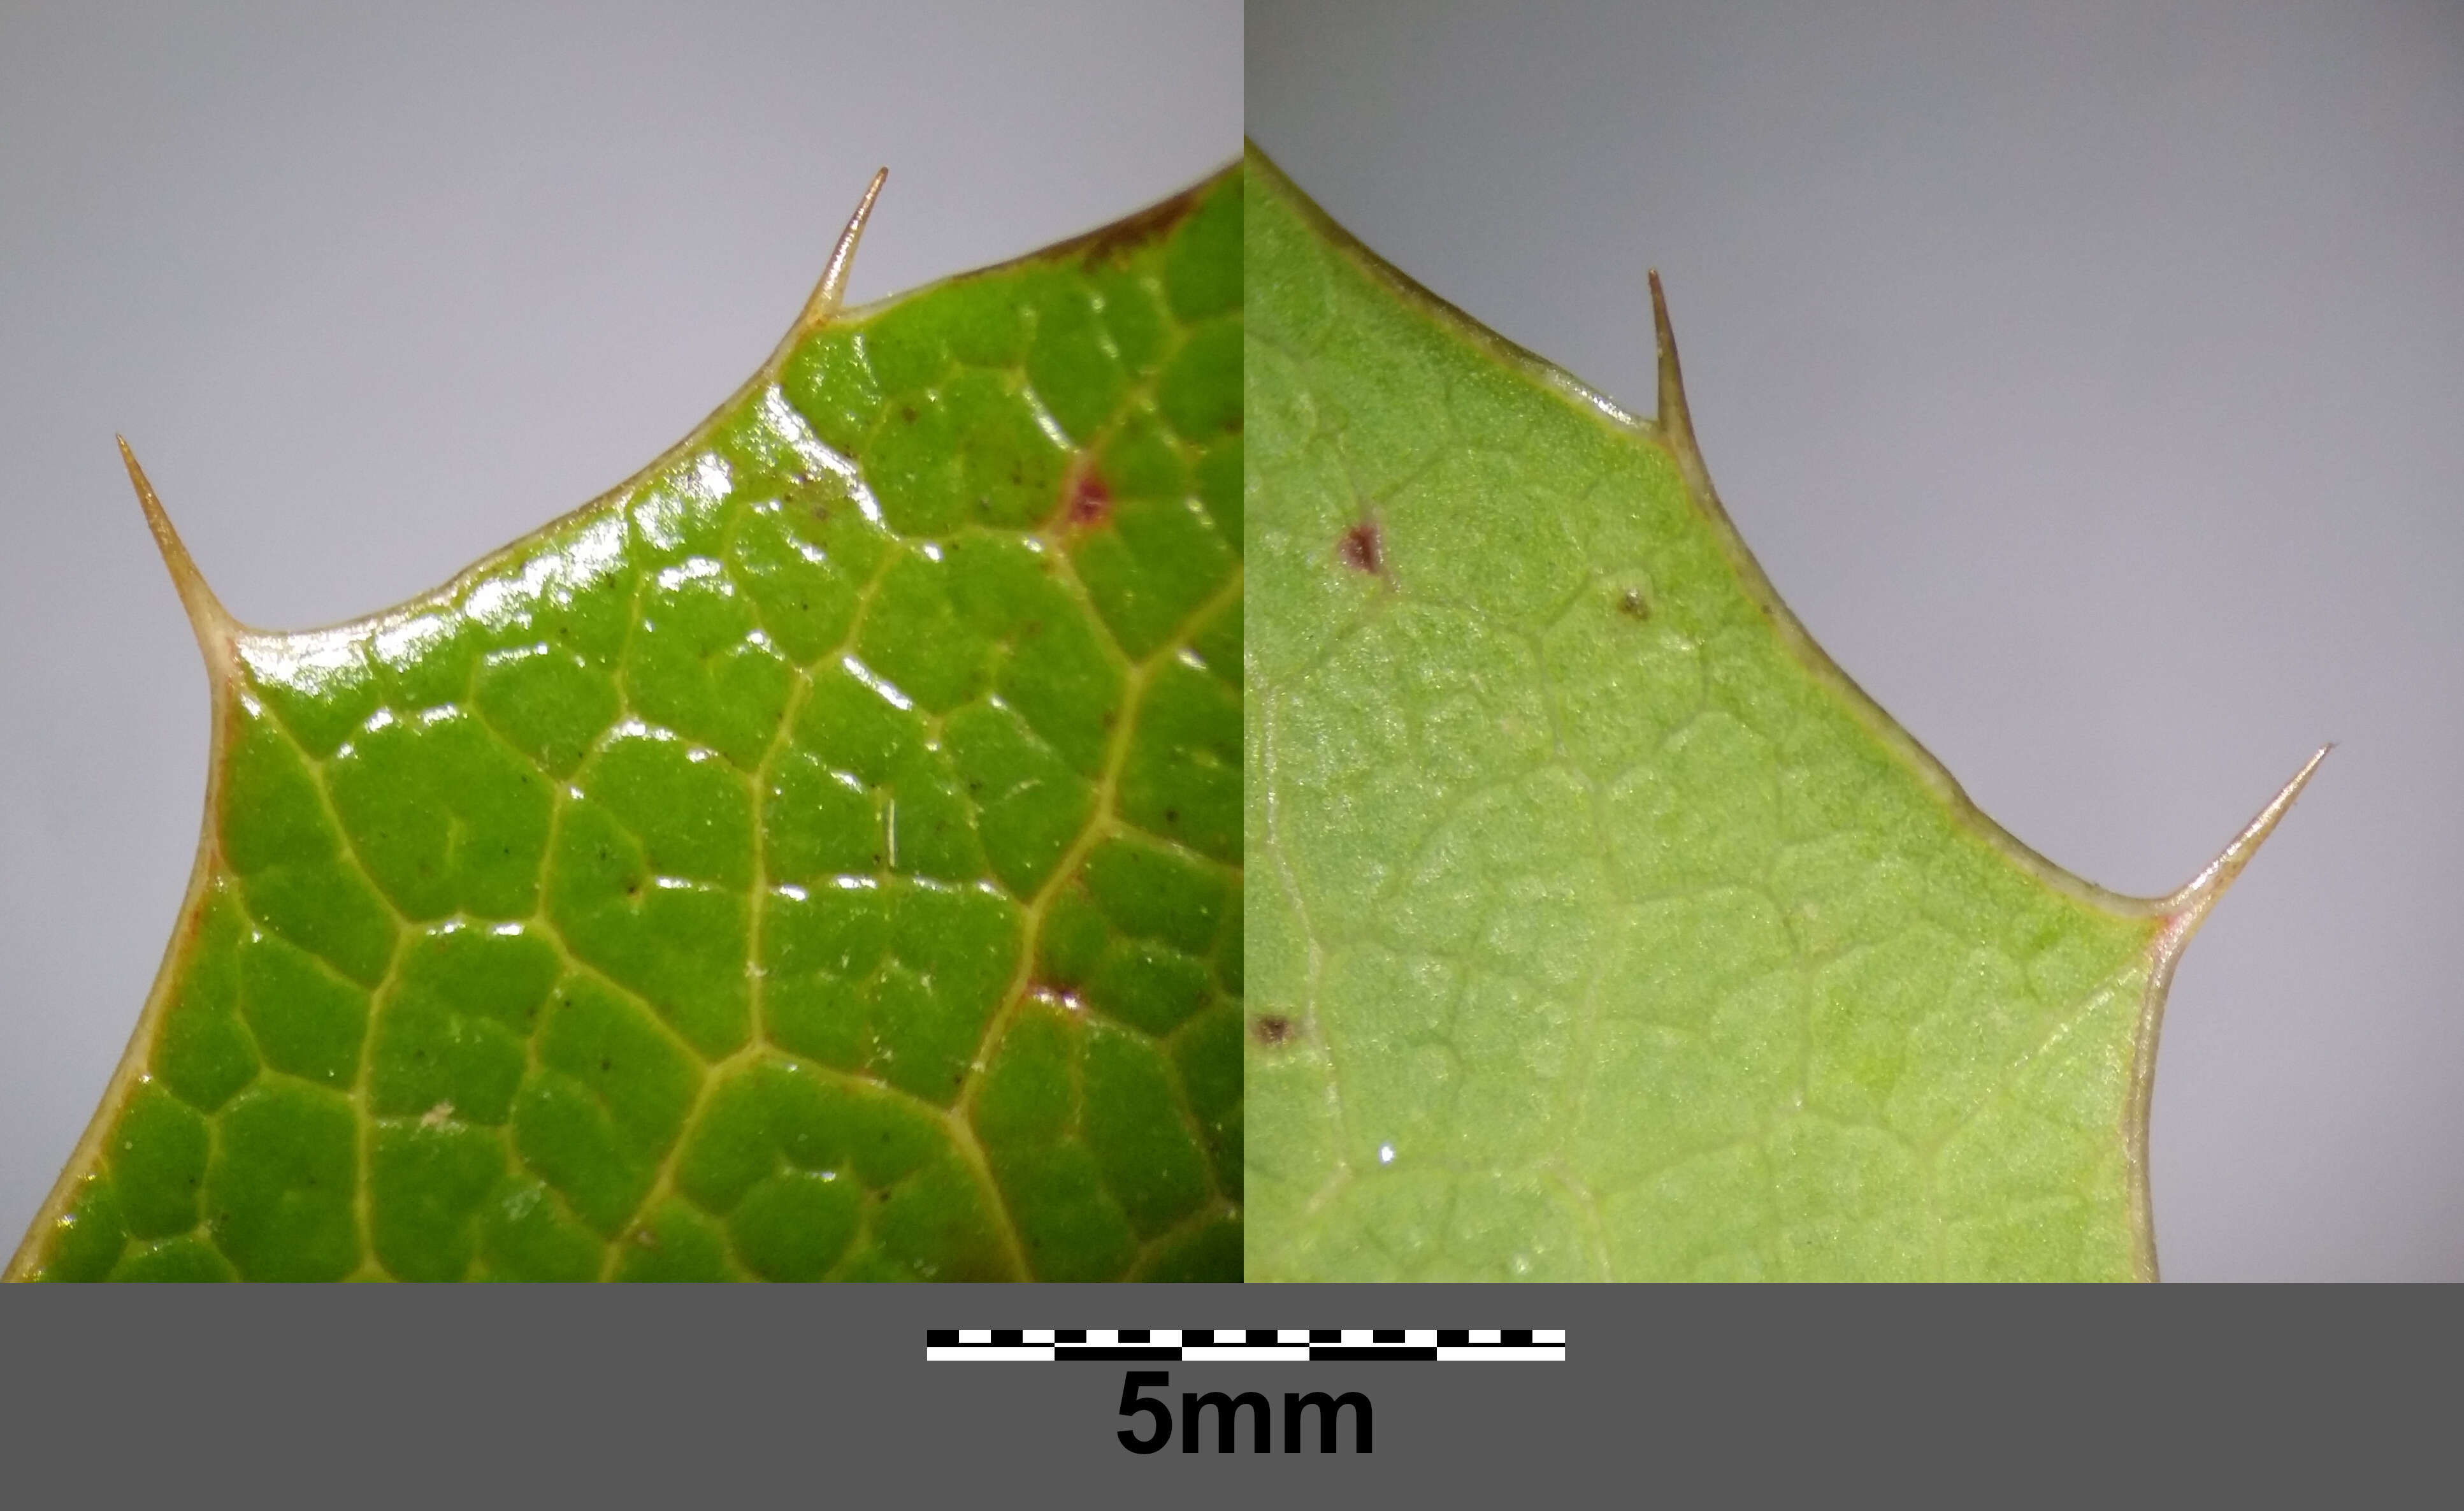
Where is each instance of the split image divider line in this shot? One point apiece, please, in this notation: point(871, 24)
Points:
point(1246, 1344)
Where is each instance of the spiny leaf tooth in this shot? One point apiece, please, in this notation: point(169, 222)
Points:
point(2187, 907)
point(2181, 915)
point(831, 290)
point(1676, 424)
point(214, 626)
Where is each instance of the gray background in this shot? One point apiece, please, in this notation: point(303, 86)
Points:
point(374, 290)
point(2086, 376)
point(816, 1395)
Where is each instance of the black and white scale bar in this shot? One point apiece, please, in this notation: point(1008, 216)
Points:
point(1246, 1344)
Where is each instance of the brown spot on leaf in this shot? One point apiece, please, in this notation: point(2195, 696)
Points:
point(1363, 548)
point(1271, 1029)
point(1634, 605)
point(809, 498)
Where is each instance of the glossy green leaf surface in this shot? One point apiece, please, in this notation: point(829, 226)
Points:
point(816, 860)
point(1607, 930)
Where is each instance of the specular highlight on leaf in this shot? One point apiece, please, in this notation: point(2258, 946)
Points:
point(814, 860)
point(1610, 931)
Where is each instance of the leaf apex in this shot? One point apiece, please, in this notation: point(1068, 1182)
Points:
point(214, 626)
point(828, 292)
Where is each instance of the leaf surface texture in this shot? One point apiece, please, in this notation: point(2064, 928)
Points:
point(815, 859)
point(1607, 930)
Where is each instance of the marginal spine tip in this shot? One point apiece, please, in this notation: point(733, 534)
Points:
point(832, 288)
point(1675, 423)
point(212, 623)
point(2187, 906)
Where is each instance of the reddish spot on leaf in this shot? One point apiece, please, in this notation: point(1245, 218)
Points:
point(1089, 502)
point(1362, 550)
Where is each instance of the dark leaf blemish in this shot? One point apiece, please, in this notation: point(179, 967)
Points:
point(1091, 502)
point(1362, 549)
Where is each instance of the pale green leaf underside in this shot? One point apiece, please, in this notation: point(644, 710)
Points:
point(1607, 931)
